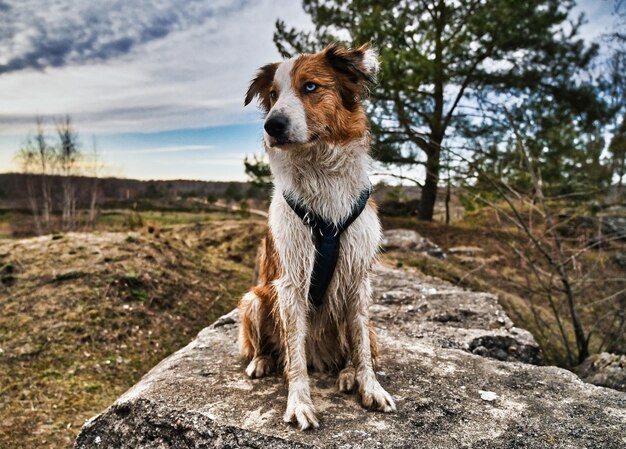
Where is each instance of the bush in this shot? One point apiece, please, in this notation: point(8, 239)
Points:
point(133, 221)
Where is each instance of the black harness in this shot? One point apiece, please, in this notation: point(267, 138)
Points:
point(326, 237)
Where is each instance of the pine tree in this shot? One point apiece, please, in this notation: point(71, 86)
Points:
point(440, 58)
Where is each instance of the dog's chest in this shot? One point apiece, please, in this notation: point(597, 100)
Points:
point(295, 246)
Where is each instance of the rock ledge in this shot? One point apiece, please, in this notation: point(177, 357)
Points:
point(451, 358)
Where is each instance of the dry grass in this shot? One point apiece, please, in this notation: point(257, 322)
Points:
point(85, 315)
point(499, 270)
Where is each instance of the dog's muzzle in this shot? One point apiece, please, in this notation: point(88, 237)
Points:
point(277, 126)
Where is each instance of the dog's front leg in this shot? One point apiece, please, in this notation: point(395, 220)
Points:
point(293, 313)
point(372, 394)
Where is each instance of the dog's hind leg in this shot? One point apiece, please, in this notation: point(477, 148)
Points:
point(254, 343)
point(258, 333)
point(346, 379)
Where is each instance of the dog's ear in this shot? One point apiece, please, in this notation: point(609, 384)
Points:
point(356, 69)
point(358, 64)
point(260, 86)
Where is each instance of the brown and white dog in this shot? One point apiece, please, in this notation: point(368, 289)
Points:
point(317, 141)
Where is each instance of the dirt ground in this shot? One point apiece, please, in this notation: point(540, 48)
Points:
point(85, 315)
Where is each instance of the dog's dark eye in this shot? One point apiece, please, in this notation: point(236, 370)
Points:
point(273, 95)
point(310, 87)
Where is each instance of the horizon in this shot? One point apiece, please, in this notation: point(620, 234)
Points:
point(170, 86)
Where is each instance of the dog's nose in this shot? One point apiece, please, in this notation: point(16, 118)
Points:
point(276, 126)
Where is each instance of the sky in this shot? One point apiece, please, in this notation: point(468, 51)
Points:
point(159, 84)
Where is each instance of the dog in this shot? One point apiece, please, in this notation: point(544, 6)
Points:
point(310, 309)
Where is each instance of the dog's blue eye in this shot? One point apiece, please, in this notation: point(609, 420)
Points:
point(310, 87)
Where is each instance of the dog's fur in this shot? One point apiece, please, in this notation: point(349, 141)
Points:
point(321, 158)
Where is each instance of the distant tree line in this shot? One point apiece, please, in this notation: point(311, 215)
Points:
point(63, 187)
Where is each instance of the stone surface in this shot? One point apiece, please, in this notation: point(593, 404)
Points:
point(620, 259)
point(465, 250)
point(614, 226)
point(606, 370)
point(409, 240)
point(447, 397)
point(444, 315)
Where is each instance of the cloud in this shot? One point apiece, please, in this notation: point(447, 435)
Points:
point(140, 67)
point(172, 149)
point(34, 36)
point(193, 77)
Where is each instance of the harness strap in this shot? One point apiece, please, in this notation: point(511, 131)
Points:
point(326, 237)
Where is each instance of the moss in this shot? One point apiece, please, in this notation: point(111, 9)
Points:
point(139, 294)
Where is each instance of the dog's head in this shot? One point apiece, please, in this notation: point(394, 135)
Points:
point(315, 97)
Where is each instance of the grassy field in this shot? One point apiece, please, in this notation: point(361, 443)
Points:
point(123, 219)
point(7, 218)
point(85, 315)
point(19, 223)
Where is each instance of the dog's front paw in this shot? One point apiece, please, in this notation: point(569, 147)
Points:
point(259, 366)
point(302, 412)
point(373, 396)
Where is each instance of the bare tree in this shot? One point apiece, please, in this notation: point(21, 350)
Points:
point(37, 159)
point(556, 259)
point(96, 167)
point(68, 156)
point(27, 159)
point(46, 159)
point(556, 273)
point(47, 166)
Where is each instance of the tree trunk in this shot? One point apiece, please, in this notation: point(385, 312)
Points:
point(46, 201)
point(67, 203)
point(92, 205)
point(582, 341)
point(32, 201)
point(73, 207)
point(448, 194)
point(429, 191)
point(620, 172)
